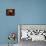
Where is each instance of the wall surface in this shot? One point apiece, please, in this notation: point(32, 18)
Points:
point(27, 12)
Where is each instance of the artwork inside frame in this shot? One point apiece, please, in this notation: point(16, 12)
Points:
point(10, 12)
point(33, 32)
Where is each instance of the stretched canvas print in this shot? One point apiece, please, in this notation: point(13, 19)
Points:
point(10, 12)
point(33, 32)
